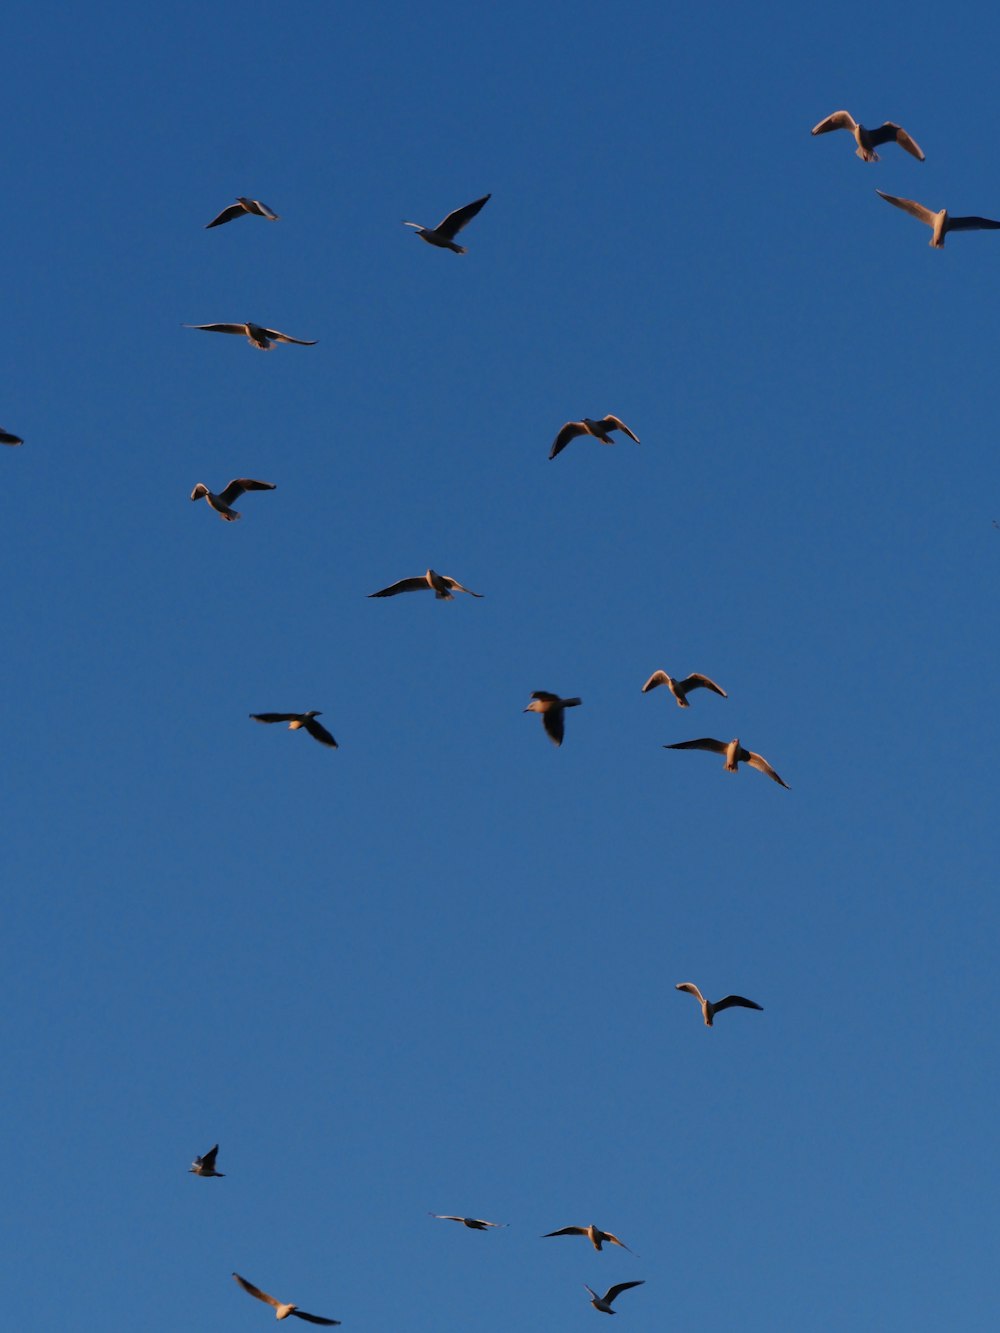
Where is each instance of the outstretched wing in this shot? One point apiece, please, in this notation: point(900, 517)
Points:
point(657, 678)
point(972, 224)
point(262, 210)
point(454, 222)
point(276, 717)
point(319, 732)
point(227, 215)
point(615, 1241)
point(566, 1231)
point(256, 1291)
point(555, 724)
point(916, 210)
point(758, 761)
point(616, 423)
point(736, 1002)
point(696, 681)
point(7, 438)
point(314, 1318)
point(220, 328)
point(237, 488)
point(888, 132)
point(208, 1160)
point(692, 989)
point(703, 743)
point(569, 432)
point(286, 338)
point(840, 120)
point(404, 585)
point(613, 1293)
point(457, 587)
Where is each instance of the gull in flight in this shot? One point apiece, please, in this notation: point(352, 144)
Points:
point(680, 689)
point(595, 1235)
point(474, 1223)
point(443, 235)
point(869, 140)
point(940, 222)
point(603, 1303)
point(551, 708)
point(599, 429)
point(282, 1311)
point(221, 503)
point(240, 209)
point(735, 755)
point(258, 335)
point(7, 438)
point(442, 585)
point(297, 720)
point(708, 1009)
point(205, 1166)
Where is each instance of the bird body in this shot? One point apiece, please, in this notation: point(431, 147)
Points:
point(868, 140)
point(600, 430)
point(735, 755)
point(297, 721)
point(551, 708)
point(205, 1166)
point(443, 235)
point(258, 335)
point(222, 502)
point(281, 1309)
point(441, 585)
point(241, 209)
point(594, 1234)
point(709, 1010)
point(680, 689)
point(603, 1303)
point(940, 223)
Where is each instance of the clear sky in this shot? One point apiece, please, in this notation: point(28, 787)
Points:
point(434, 970)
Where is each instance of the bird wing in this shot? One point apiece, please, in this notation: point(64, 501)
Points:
point(263, 211)
point(692, 989)
point(276, 717)
point(7, 438)
point(972, 224)
point(554, 723)
point(613, 1293)
point(736, 1002)
point(314, 1318)
point(319, 732)
point(454, 222)
point(758, 761)
point(241, 484)
point(446, 1217)
point(209, 1158)
point(912, 207)
point(840, 120)
point(615, 1241)
point(566, 1231)
point(404, 585)
point(545, 695)
point(696, 681)
point(256, 1291)
point(703, 743)
point(568, 432)
point(457, 587)
point(657, 678)
point(220, 328)
point(888, 132)
point(286, 338)
point(227, 215)
point(615, 423)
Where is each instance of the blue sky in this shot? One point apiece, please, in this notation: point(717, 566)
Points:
point(434, 971)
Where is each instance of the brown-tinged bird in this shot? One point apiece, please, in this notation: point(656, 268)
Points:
point(281, 1310)
point(735, 755)
point(443, 235)
point(473, 1223)
point(205, 1166)
point(680, 689)
point(551, 708)
point(241, 209)
point(258, 335)
point(307, 721)
point(710, 1009)
point(940, 223)
point(603, 1303)
point(599, 429)
point(595, 1235)
point(7, 438)
point(442, 586)
point(869, 140)
point(221, 503)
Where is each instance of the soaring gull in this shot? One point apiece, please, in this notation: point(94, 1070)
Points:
point(595, 1235)
point(258, 335)
point(710, 1009)
point(680, 689)
point(442, 586)
point(443, 235)
point(241, 209)
point(603, 1303)
point(282, 1311)
point(869, 140)
point(940, 223)
point(221, 503)
point(205, 1166)
point(599, 429)
point(735, 755)
point(307, 721)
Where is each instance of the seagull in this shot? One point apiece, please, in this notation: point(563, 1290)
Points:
point(205, 1166)
point(258, 335)
point(869, 140)
point(735, 755)
point(681, 688)
point(282, 1311)
point(941, 223)
point(297, 720)
point(709, 1010)
point(443, 235)
point(599, 429)
point(603, 1303)
point(551, 708)
point(7, 438)
point(442, 585)
point(595, 1235)
point(221, 502)
point(474, 1223)
point(240, 209)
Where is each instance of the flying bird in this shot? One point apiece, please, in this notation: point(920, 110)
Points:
point(709, 1010)
point(7, 438)
point(603, 1303)
point(205, 1166)
point(221, 503)
point(680, 689)
point(869, 140)
point(442, 585)
point(297, 720)
point(258, 335)
point(599, 429)
point(940, 223)
point(443, 235)
point(282, 1311)
point(551, 708)
point(735, 755)
point(595, 1235)
point(474, 1223)
point(240, 209)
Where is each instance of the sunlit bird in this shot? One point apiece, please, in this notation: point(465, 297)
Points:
point(940, 223)
point(603, 1303)
point(473, 1223)
point(258, 335)
point(221, 503)
point(7, 438)
point(307, 721)
point(595, 1235)
point(282, 1311)
point(443, 235)
point(680, 689)
point(442, 586)
point(599, 429)
point(551, 708)
point(205, 1166)
point(735, 755)
point(241, 209)
point(710, 1009)
point(868, 140)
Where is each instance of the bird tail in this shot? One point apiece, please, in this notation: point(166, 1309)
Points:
point(571, 703)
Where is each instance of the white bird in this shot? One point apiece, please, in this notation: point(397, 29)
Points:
point(603, 1303)
point(442, 586)
point(258, 335)
point(869, 140)
point(221, 502)
point(940, 223)
point(595, 1235)
point(205, 1166)
point(599, 429)
point(473, 1223)
point(443, 235)
point(307, 721)
point(680, 689)
point(710, 1009)
point(735, 755)
point(282, 1311)
point(551, 708)
point(241, 209)
point(7, 438)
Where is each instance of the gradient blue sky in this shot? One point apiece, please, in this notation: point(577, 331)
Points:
point(434, 970)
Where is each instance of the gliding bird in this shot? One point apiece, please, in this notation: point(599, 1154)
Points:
point(603, 1303)
point(599, 429)
point(442, 585)
point(240, 209)
point(473, 1223)
point(443, 235)
point(595, 1235)
point(282, 1311)
point(735, 755)
point(940, 222)
point(869, 140)
point(205, 1166)
point(221, 502)
point(680, 689)
point(710, 1009)
point(307, 721)
point(258, 335)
